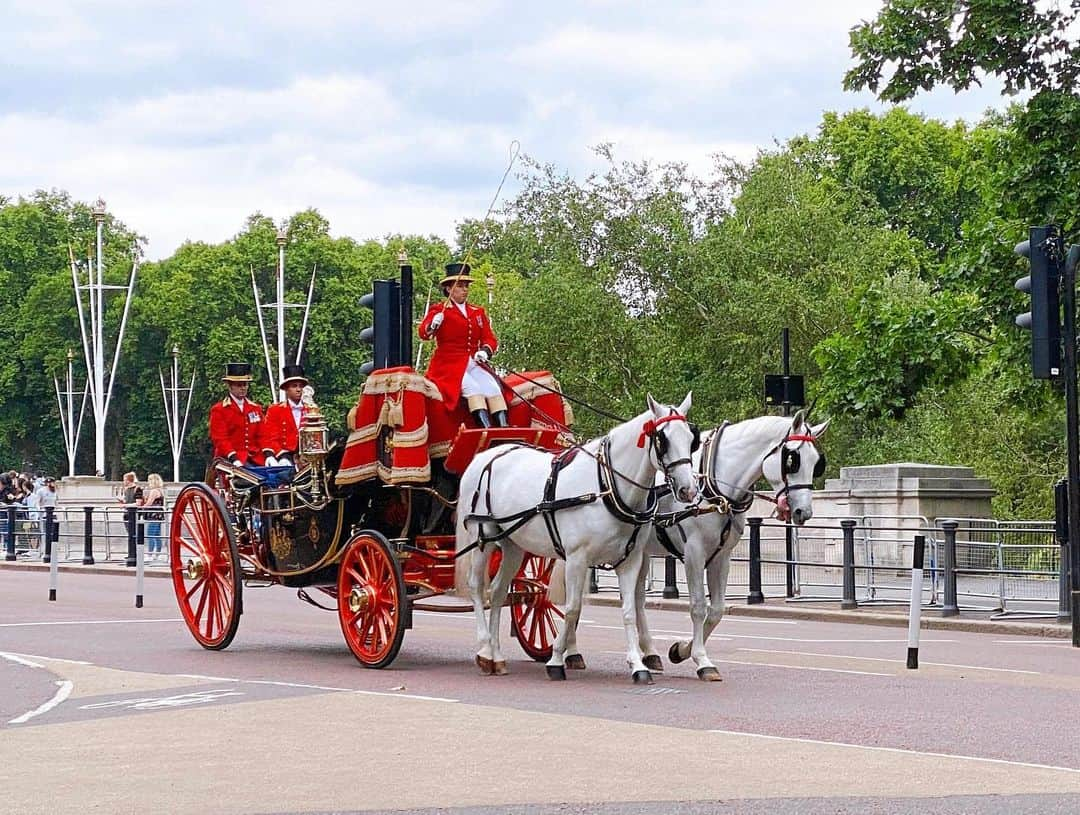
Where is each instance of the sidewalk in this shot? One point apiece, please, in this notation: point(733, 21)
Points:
point(777, 608)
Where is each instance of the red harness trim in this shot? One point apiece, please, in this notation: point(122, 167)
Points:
point(650, 427)
point(801, 438)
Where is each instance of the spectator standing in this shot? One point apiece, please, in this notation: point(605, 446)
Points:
point(131, 495)
point(154, 505)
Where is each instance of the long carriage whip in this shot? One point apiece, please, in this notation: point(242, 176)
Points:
point(515, 149)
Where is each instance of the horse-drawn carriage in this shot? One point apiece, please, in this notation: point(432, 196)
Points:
point(368, 521)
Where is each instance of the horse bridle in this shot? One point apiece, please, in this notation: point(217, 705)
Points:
point(790, 462)
point(659, 444)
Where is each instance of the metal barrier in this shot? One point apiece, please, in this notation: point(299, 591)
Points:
point(1010, 562)
point(87, 535)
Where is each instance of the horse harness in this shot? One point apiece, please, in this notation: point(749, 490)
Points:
point(608, 493)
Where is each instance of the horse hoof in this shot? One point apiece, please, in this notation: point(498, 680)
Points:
point(575, 662)
point(556, 673)
point(642, 678)
point(500, 668)
point(709, 674)
point(673, 654)
point(654, 663)
point(487, 667)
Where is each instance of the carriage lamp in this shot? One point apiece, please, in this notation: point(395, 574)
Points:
point(314, 440)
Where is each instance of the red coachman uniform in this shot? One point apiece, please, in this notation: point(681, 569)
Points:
point(237, 431)
point(460, 337)
point(281, 433)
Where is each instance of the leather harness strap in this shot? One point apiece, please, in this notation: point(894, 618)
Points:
point(547, 508)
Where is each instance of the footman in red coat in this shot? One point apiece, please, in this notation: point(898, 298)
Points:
point(236, 422)
point(281, 428)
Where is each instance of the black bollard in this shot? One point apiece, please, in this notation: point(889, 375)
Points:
point(140, 560)
point(9, 538)
point(848, 600)
point(948, 566)
point(9, 534)
point(671, 588)
point(46, 533)
point(789, 556)
point(594, 587)
point(755, 597)
point(131, 520)
point(88, 536)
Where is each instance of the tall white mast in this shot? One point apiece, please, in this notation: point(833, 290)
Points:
point(99, 385)
point(171, 396)
point(65, 400)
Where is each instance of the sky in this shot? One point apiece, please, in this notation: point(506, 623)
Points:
point(398, 118)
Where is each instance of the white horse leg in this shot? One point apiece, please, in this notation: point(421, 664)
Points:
point(694, 567)
point(576, 573)
point(574, 660)
point(477, 573)
point(512, 555)
point(645, 641)
point(718, 577)
point(628, 574)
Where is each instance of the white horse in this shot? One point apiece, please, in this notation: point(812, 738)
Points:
point(731, 460)
point(588, 507)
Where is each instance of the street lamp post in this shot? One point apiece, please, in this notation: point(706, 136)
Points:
point(274, 373)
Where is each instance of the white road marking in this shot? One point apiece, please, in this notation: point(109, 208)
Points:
point(729, 635)
point(199, 697)
point(801, 667)
point(1047, 643)
point(18, 659)
point(405, 696)
point(315, 687)
point(61, 694)
point(884, 659)
point(898, 750)
point(51, 659)
point(87, 622)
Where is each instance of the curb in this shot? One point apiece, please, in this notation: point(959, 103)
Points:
point(776, 609)
point(72, 568)
point(782, 610)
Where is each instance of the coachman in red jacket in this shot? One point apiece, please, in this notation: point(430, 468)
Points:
point(464, 342)
point(281, 428)
point(236, 422)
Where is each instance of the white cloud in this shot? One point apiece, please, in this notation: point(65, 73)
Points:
point(188, 118)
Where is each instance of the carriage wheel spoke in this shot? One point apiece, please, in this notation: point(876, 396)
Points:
point(194, 587)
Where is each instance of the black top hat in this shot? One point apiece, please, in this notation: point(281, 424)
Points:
point(292, 373)
point(237, 372)
point(457, 273)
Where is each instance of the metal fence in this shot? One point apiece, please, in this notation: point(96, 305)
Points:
point(85, 535)
point(1010, 569)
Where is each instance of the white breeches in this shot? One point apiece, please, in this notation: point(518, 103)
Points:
point(478, 382)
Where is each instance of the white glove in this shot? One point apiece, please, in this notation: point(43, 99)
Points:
point(271, 461)
point(481, 356)
point(436, 321)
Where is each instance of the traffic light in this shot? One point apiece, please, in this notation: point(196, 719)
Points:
point(1043, 249)
point(384, 334)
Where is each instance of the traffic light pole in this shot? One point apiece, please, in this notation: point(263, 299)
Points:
point(1072, 418)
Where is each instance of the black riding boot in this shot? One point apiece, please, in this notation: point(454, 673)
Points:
point(482, 418)
point(498, 418)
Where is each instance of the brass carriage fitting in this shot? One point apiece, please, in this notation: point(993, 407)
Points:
point(359, 600)
point(314, 439)
point(195, 569)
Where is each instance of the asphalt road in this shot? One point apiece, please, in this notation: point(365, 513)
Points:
point(109, 708)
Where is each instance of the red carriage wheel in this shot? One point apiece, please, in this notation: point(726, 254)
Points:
point(534, 618)
point(371, 596)
point(205, 566)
